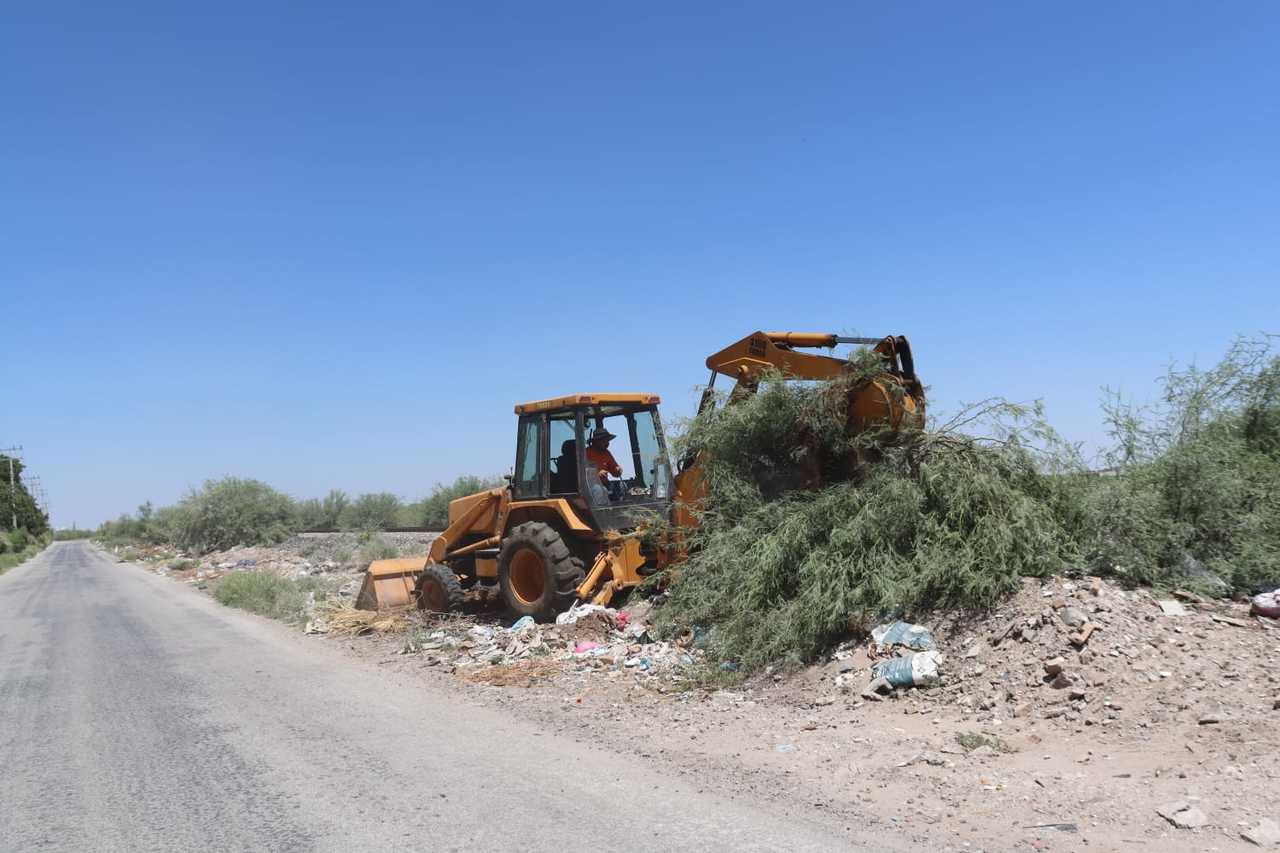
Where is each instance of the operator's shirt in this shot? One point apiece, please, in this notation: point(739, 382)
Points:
point(604, 461)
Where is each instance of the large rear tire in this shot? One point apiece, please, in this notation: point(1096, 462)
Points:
point(438, 589)
point(538, 575)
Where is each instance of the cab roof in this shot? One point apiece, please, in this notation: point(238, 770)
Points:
point(573, 401)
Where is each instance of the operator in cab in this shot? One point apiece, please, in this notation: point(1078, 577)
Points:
point(598, 454)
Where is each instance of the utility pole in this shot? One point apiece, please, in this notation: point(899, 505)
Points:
point(13, 491)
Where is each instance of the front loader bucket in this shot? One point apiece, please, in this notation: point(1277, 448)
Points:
point(389, 583)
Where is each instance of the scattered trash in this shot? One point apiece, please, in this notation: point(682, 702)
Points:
point(915, 670)
point(729, 666)
point(1060, 827)
point(584, 646)
point(522, 622)
point(784, 748)
point(1266, 604)
point(915, 637)
point(578, 611)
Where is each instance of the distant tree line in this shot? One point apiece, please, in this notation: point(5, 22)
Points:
point(16, 500)
point(234, 511)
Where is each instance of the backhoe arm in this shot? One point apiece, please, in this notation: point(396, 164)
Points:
point(749, 358)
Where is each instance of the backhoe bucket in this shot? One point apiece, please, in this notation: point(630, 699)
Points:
point(389, 583)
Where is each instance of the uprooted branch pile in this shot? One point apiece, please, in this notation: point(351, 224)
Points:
point(934, 519)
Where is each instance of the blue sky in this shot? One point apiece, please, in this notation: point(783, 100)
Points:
point(330, 245)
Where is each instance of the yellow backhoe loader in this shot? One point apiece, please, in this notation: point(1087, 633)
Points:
point(565, 530)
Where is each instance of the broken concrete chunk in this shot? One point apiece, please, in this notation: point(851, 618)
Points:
point(1172, 607)
point(1183, 815)
point(1073, 616)
point(1081, 638)
point(1265, 834)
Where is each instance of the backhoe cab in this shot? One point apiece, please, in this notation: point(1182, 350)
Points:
point(563, 530)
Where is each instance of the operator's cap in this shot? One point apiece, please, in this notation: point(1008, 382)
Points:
point(601, 432)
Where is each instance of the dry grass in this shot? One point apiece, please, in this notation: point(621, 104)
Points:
point(342, 618)
point(523, 673)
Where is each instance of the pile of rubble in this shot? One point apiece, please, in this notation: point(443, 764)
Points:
point(1085, 652)
point(586, 638)
point(302, 555)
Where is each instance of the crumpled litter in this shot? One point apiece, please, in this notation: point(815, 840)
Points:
point(914, 637)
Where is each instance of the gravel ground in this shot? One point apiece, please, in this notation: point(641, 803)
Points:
point(1168, 707)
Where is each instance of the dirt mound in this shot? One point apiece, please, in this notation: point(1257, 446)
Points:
point(1086, 652)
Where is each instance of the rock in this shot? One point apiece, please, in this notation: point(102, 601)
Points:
point(1022, 709)
point(1074, 617)
point(1054, 666)
point(1209, 718)
point(982, 750)
point(933, 759)
point(1172, 607)
point(1077, 693)
point(1080, 638)
point(1265, 834)
point(1061, 681)
point(1183, 815)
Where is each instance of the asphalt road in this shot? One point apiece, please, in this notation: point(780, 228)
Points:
point(138, 714)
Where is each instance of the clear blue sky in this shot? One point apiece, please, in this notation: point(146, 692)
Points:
point(330, 245)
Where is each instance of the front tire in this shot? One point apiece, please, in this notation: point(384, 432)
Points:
point(439, 590)
point(538, 576)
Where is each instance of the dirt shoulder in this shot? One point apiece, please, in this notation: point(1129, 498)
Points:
point(1032, 739)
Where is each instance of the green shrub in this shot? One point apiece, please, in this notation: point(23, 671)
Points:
point(271, 595)
point(182, 564)
point(326, 514)
point(928, 520)
point(229, 512)
point(19, 539)
point(1198, 481)
point(69, 534)
point(432, 512)
point(369, 512)
point(376, 548)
